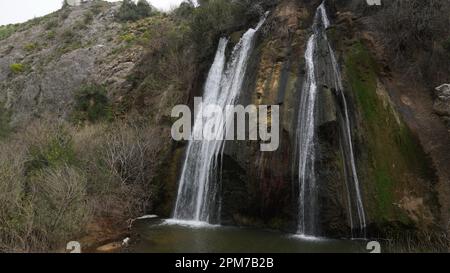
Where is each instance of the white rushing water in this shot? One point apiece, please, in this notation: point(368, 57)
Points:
point(306, 135)
point(198, 193)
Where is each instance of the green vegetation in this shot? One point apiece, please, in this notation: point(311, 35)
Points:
point(385, 188)
point(362, 69)
point(30, 47)
point(51, 35)
point(213, 19)
point(82, 24)
point(393, 152)
point(128, 38)
point(56, 150)
point(51, 24)
point(88, 17)
point(70, 41)
point(79, 25)
point(5, 128)
point(17, 68)
point(8, 30)
point(412, 32)
point(99, 6)
point(55, 178)
point(168, 63)
point(68, 36)
point(129, 11)
point(44, 199)
point(91, 104)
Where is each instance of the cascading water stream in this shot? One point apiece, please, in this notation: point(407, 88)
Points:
point(306, 134)
point(198, 192)
point(349, 143)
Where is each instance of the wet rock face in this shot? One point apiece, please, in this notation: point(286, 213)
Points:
point(264, 189)
point(442, 102)
point(391, 164)
point(267, 187)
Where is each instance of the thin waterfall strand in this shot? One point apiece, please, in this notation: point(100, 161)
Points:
point(306, 134)
point(198, 192)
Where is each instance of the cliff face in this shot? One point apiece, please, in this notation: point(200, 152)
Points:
point(57, 54)
point(403, 178)
point(401, 146)
point(404, 175)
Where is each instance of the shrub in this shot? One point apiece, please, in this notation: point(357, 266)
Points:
point(51, 24)
point(52, 148)
point(128, 38)
point(61, 205)
point(91, 104)
point(42, 208)
point(70, 39)
point(8, 30)
point(5, 128)
point(413, 24)
point(128, 153)
point(98, 6)
point(54, 178)
point(129, 11)
point(64, 14)
point(17, 68)
point(51, 35)
point(68, 36)
point(411, 29)
point(15, 211)
point(184, 11)
point(120, 164)
point(144, 9)
point(213, 19)
point(30, 47)
point(88, 17)
point(80, 25)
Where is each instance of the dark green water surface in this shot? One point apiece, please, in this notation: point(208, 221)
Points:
point(161, 236)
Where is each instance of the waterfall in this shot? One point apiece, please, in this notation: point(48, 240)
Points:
point(348, 151)
point(306, 135)
point(198, 193)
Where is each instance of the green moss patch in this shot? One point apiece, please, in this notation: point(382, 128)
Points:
point(17, 68)
point(393, 153)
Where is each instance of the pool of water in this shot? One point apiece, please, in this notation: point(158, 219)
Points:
point(169, 236)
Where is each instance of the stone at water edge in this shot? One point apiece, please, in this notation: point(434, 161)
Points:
point(111, 247)
point(126, 242)
point(152, 216)
point(145, 217)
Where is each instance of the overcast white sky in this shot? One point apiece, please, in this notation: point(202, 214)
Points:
point(17, 11)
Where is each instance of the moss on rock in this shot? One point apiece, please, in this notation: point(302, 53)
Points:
point(394, 164)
